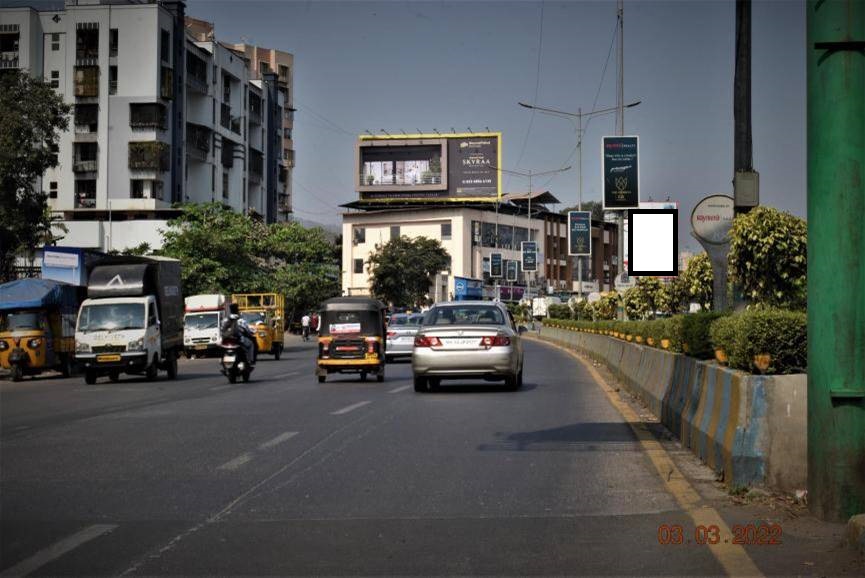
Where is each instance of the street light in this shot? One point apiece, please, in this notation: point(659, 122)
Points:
point(579, 117)
point(528, 174)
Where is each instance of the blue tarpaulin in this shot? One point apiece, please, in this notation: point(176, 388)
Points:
point(36, 293)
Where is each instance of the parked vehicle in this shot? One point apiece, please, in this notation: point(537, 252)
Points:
point(351, 338)
point(238, 349)
point(467, 340)
point(401, 330)
point(37, 326)
point(201, 322)
point(265, 314)
point(132, 320)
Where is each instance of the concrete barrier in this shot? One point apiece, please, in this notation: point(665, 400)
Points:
point(750, 428)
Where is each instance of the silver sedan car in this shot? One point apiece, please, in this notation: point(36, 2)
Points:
point(467, 339)
point(401, 330)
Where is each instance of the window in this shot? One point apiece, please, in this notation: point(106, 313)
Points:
point(283, 72)
point(359, 235)
point(446, 231)
point(112, 42)
point(394, 232)
point(464, 315)
point(166, 85)
point(225, 185)
point(112, 80)
point(55, 42)
point(165, 45)
point(151, 315)
point(136, 189)
point(358, 265)
point(87, 41)
point(55, 79)
point(85, 194)
point(226, 89)
point(286, 133)
point(52, 190)
point(263, 68)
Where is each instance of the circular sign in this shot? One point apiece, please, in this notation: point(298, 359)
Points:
point(623, 281)
point(712, 218)
point(594, 297)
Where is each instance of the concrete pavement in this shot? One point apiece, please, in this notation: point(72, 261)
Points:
point(287, 476)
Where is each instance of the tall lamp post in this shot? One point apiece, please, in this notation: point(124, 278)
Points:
point(529, 174)
point(578, 117)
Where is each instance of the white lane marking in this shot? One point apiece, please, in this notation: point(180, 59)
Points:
point(278, 440)
point(220, 388)
point(399, 389)
point(236, 462)
point(54, 551)
point(349, 408)
point(21, 428)
point(282, 375)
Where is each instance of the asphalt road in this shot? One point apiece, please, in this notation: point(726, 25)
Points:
point(287, 476)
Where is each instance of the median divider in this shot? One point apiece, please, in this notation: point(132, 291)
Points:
point(749, 428)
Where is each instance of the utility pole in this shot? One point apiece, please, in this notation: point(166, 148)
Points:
point(620, 123)
point(836, 243)
point(746, 182)
point(580, 198)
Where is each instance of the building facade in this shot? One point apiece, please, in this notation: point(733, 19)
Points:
point(160, 118)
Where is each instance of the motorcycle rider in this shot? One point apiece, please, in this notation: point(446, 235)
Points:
point(237, 326)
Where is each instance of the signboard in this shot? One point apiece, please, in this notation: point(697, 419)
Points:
point(621, 172)
point(418, 167)
point(496, 266)
point(712, 219)
point(466, 288)
point(624, 281)
point(512, 271)
point(580, 233)
point(529, 260)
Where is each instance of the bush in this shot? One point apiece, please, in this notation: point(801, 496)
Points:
point(695, 333)
point(781, 334)
point(724, 333)
point(559, 312)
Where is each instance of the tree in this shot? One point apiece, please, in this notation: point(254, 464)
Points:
point(605, 308)
point(698, 277)
point(402, 269)
point(674, 296)
point(596, 208)
point(768, 257)
point(32, 115)
point(643, 299)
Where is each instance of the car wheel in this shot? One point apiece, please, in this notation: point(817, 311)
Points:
point(363, 376)
point(514, 382)
point(420, 384)
point(434, 383)
point(114, 376)
point(90, 377)
point(17, 372)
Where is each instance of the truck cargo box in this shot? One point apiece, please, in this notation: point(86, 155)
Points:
point(206, 302)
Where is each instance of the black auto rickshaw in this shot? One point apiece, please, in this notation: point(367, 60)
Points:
point(351, 337)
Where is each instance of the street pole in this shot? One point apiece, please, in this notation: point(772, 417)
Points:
point(529, 231)
point(580, 197)
point(620, 125)
point(836, 243)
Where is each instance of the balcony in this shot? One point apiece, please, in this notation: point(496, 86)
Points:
point(289, 157)
point(85, 157)
point(166, 83)
point(254, 116)
point(144, 115)
point(85, 194)
point(225, 116)
point(282, 175)
point(149, 156)
point(86, 81)
point(87, 44)
point(198, 140)
point(84, 166)
point(256, 166)
point(227, 154)
point(8, 60)
point(235, 125)
point(86, 119)
point(196, 73)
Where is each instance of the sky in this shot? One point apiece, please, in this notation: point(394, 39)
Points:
point(415, 65)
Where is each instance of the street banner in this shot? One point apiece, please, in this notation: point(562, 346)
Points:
point(580, 233)
point(512, 271)
point(496, 266)
point(529, 252)
point(621, 172)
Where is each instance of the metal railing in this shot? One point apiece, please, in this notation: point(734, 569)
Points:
point(426, 178)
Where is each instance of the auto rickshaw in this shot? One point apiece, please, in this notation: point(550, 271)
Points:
point(265, 314)
point(351, 338)
point(37, 326)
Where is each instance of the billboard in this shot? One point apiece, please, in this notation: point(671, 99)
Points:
point(621, 172)
point(579, 233)
point(496, 266)
point(529, 253)
point(421, 167)
point(512, 271)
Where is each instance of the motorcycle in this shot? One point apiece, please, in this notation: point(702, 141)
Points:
point(235, 361)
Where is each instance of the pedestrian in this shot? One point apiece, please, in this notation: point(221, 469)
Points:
point(304, 323)
point(313, 322)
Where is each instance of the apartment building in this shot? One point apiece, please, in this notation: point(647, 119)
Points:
point(160, 118)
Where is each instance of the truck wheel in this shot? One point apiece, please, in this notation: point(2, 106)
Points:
point(171, 366)
point(322, 378)
point(90, 377)
point(17, 372)
point(66, 367)
point(114, 376)
point(152, 371)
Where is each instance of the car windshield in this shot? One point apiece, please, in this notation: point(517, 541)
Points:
point(464, 315)
point(406, 320)
point(202, 321)
point(22, 320)
point(111, 317)
point(254, 317)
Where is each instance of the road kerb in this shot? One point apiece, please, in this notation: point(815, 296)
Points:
point(733, 558)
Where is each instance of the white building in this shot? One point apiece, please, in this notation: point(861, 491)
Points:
point(159, 118)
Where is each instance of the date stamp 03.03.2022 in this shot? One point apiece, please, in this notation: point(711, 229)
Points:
point(741, 534)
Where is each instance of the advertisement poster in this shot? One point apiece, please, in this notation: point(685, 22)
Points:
point(472, 166)
point(512, 270)
point(529, 256)
point(621, 172)
point(579, 233)
point(496, 265)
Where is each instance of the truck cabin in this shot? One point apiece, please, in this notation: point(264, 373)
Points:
point(116, 316)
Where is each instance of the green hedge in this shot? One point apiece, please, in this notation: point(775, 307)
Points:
point(782, 335)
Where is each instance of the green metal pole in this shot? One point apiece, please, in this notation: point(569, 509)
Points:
point(836, 249)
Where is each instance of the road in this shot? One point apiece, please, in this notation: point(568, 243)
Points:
point(287, 476)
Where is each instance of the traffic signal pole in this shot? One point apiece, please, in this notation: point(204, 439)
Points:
point(836, 247)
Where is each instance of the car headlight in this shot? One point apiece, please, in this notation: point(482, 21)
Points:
point(3, 345)
point(137, 345)
point(262, 334)
point(34, 343)
point(81, 347)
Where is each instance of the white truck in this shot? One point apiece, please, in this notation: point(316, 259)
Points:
point(541, 304)
point(132, 319)
point(203, 317)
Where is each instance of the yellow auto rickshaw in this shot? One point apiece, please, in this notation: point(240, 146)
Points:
point(265, 314)
point(351, 338)
point(37, 326)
